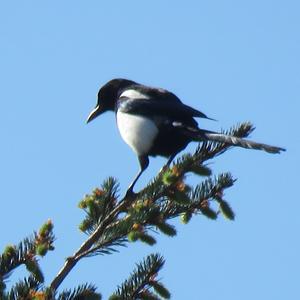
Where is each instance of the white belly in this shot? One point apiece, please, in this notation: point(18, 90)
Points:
point(137, 131)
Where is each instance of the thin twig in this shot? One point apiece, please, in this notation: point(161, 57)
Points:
point(72, 260)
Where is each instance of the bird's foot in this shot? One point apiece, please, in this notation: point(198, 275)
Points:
point(130, 194)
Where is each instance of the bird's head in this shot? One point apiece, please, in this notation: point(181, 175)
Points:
point(108, 96)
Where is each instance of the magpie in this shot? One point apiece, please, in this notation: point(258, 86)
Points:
point(154, 121)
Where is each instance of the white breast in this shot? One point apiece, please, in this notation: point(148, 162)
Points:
point(137, 131)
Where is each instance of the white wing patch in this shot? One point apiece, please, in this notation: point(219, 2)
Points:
point(177, 124)
point(133, 94)
point(183, 126)
point(137, 131)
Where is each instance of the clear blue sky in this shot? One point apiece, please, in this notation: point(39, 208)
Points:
point(234, 60)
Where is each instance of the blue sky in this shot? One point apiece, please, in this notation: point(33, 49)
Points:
point(234, 60)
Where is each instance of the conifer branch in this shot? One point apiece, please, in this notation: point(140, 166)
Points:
point(143, 282)
point(24, 289)
point(82, 292)
point(111, 223)
point(26, 252)
point(94, 237)
point(103, 210)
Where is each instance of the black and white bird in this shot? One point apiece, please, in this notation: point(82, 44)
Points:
point(153, 121)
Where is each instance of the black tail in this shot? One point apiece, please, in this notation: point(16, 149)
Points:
point(240, 142)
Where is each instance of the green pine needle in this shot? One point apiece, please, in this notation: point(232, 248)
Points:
point(147, 239)
point(82, 292)
point(22, 289)
point(167, 229)
point(25, 252)
point(9, 252)
point(99, 204)
point(33, 267)
point(180, 197)
point(115, 297)
point(138, 285)
point(169, 177)
point(147, 295)
point(209, 213)
point(41, 249)
point(161, 290)
point(46, 229)
point(226, 210)
point(133, 236)
point(200, 170)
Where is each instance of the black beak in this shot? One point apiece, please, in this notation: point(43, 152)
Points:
point(94, 113)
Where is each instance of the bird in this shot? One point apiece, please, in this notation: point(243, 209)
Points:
point(155, 122)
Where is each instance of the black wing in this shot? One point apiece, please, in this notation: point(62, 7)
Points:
point(158, 102)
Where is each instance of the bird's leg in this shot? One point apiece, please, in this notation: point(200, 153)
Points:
point(170, 159)
point(167, 165)
point(144, 162)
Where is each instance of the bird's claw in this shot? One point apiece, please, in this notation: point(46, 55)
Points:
point(130, 194)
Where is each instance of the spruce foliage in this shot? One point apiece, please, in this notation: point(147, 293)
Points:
point(112, 222)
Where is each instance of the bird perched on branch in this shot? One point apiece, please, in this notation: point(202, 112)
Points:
point(153, 121)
